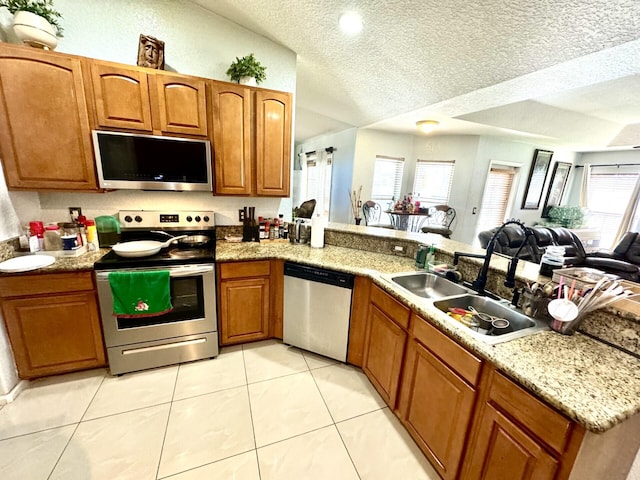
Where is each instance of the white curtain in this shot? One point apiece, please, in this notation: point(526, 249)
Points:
point(629, 213)
point(584, 190)
point(10, 224)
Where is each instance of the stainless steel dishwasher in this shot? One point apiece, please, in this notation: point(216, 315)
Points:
point(317, 309)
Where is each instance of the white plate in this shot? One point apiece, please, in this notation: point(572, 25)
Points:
point(26, 263)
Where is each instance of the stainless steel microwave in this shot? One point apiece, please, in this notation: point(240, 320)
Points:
point(150, 162)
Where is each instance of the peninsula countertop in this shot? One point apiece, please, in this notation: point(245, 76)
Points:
point(594, 384)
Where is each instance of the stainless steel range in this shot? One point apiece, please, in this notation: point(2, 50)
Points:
point(187, 332)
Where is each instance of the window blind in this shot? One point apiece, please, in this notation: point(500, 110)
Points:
point(496, 197)
point(387, 178)
point(609, 196)
point(433, 181)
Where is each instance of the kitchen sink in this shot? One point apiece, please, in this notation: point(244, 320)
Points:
point(428, 285)
point(520, 325)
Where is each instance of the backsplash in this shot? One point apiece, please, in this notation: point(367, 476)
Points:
point(7, 248)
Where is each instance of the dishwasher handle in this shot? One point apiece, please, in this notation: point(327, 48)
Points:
point(320, 275)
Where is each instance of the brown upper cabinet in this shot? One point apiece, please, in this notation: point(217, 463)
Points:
point(133, 98)
point(273, 143)
point(45, 135)
point(251, 140)
point(231, 110)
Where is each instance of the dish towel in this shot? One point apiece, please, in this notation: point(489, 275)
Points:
point(140, 294)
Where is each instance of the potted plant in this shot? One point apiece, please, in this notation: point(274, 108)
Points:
point(247, 70)
point(35, 22)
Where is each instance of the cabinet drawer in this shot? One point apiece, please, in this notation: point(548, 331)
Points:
point(390, 306)
point(245, 269)
point(458, 358)
point(43, 284)
point(547, 424)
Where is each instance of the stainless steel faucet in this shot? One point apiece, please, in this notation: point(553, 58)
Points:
point(481, 281)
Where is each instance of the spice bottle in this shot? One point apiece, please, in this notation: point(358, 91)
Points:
point(92, 235)
point(276, 228)
point(36, 229)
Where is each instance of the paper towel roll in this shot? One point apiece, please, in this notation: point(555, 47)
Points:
point(318, 223)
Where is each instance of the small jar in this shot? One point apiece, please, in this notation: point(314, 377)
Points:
point(70, 236)
point(52, 238)
point(552, 259)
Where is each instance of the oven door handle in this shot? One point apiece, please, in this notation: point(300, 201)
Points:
point(190, 271)
point(173, 273)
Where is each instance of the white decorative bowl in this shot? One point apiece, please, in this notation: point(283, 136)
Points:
point(34, 30)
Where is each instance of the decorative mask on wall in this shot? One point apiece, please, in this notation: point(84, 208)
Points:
point(151, 52)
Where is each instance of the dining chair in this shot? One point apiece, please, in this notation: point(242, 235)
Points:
point(372, 213)
point(439, 220)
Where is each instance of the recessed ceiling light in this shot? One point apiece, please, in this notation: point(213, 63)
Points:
point(427, 126)
point(351, 23)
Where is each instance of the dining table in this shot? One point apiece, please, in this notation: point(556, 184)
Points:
point(408, 222)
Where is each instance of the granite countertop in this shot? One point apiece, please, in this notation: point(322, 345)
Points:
point(596, 385)
point(82, 262)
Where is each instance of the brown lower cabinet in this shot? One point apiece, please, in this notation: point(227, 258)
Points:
point(470, 420)
point(53, 323)
point(436, 401)
point(518, 437)
point(385, 341)
point(249, 301)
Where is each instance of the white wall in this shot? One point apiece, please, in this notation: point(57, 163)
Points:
point(370, 143)
point(197, 42)
point(344, 144)
point(473, 156)
point(468, 175)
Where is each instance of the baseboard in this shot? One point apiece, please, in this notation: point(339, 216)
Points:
point(15, 391)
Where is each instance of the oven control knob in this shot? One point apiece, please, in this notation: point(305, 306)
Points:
point(206, 219)
point(138, 218)
point(189, 218)
point(128, 219)
point(198, 218)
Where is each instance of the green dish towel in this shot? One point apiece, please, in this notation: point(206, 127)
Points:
point(139, 294)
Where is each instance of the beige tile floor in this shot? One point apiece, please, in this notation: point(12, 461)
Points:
point(261, 411)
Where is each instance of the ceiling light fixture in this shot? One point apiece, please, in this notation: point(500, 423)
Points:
point(427, 126)
point(351, 23)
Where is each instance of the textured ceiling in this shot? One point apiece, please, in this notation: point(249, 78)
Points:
point(414, 55)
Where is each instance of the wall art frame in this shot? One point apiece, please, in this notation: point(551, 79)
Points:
point(536, 180)
point(557, 184)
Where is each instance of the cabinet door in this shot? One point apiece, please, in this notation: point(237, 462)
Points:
point(181, 104)
point(45, 138)
point(383, 356)
point(121, 97)
point(54, 334)
point(436, 406)
point(273, 143)
point(231, 110)
point(502, 451)
point(244, 310)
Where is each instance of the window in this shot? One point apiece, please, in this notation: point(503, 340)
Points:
point(387, 179)
point(609, 195)
point(495, 200)
point(433, 181)
point(318, 172)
